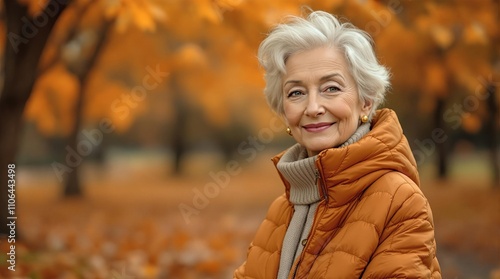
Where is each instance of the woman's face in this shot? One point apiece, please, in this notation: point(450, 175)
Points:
point(321, 102)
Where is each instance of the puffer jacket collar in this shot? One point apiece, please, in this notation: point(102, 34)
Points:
point(344, 173)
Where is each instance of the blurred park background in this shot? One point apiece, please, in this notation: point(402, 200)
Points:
point(142, 141)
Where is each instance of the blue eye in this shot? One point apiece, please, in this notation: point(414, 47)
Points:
point(294, 94)
point(332, 89)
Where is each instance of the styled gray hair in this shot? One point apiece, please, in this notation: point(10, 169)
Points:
point(322, 29)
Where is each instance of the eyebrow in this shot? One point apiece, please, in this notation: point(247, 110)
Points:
point(332, 75)
point(327, 77)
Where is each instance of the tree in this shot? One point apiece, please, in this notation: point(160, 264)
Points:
point(72, 187)
point(27, 35)
point(78, 53)
point(443, 51)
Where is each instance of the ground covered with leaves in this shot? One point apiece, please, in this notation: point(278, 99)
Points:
point(129, 225)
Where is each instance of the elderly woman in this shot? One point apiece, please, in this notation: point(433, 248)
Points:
point(352, 206)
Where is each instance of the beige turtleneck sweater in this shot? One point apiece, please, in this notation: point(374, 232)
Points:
point(300, 171)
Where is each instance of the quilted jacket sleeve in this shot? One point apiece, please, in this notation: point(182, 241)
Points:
point(407, 248)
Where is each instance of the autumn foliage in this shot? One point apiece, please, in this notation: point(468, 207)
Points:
point(433, 49)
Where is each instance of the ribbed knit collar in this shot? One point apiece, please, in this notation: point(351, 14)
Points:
point(300, 170)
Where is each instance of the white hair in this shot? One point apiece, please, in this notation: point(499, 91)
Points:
point(322, 29)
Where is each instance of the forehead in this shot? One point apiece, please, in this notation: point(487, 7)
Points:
point(317, 60)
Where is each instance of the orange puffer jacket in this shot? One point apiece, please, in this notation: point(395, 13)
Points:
point(372, 222)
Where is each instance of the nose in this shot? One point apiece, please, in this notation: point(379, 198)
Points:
point(314, 106)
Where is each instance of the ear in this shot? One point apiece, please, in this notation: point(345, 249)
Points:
point(366, 106)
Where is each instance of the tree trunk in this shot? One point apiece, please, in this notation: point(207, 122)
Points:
point(10, 125)
point(23, 47)
point(493, 123)
point(179, 128)
point(442, 164)
point(72, 186)
point(492, 130)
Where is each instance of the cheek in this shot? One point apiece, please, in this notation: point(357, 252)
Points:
point(347, 109)
point(342, 111)
point(292, 114)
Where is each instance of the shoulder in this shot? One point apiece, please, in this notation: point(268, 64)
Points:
point(397, 185)
point(407, 236)
point(405, 198)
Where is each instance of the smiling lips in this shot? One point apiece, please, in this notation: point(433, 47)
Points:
point(317, 127)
